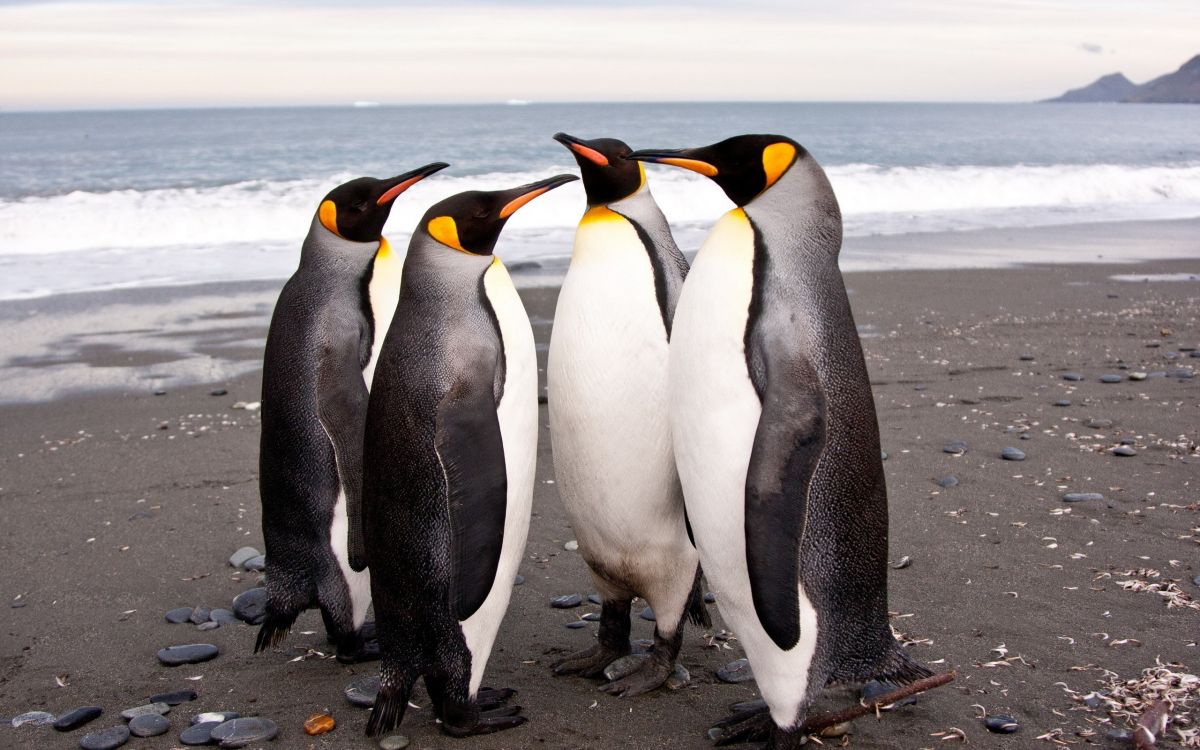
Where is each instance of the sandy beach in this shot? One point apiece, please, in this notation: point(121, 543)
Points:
point(119, 504)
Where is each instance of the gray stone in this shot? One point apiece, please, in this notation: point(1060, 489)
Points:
point(566, 601)
point(244, 731)
point(710, 597)
point(1001, 724)
point(1138, 375)
point(150, 709)
point(591, 617)
point(571, 546)
point(179, 615)
point(33, 719)
point(624, 666)
point(1124, 450)
point(218, 716)
point(955, 447)
point(1063, 402)
point(77, 718)
point(363, 691)
point(735, 672)
point(1111, 378)
point(199, 734)
point(251, 606)
point(239, 558)
point(210, 625)
point(150, 725)
point(647, 614)
point(256, 564)
point(948, 481)
point(577, 624)
point(175, 697)
point(1012, 454)
point(1099, 424)
point(199, 615)
point(105, 739)
point(191, 653)
point(595, 599)
point(517, 581)
point(1081, 497)
point(1026, 357)
point(1072, 376)
point(393, 742)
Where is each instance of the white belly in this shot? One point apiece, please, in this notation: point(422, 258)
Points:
point(518, 413)
point(607, 379)
point(714, 416)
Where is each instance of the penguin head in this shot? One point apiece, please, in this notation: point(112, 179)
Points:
point(607, 175)
point(470, 222)
point(358, 209)
point(744, 166)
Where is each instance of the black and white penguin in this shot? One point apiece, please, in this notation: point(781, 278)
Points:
point(324, 336)
point(451, 442)
point(607, 386)
point(776, 439)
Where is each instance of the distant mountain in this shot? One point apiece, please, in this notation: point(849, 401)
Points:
point(1180, 87)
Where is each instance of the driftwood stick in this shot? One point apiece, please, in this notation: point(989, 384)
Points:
point(818, 722)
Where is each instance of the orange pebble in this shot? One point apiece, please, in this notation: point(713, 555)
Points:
point(319, 724)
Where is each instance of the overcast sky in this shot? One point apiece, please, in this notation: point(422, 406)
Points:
point(96, 53)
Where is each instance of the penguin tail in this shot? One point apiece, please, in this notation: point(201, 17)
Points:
point(899, 668)
point(273, 631)
point(697, 610)
point(389, 704)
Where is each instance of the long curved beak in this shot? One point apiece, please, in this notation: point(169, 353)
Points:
point(519, 196)
point(400, 183)
point(581, 147)
point(676, 157)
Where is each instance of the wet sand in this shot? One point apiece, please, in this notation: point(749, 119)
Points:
point(119, 505)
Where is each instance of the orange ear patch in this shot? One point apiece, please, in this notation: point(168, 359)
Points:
point(444, 230)
point(776, 159)
point(327, 214)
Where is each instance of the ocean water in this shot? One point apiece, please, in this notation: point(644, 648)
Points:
point(99, 200)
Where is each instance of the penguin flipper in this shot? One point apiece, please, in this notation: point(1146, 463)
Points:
point(471, 451)
point(342, 409)
point(787, 447)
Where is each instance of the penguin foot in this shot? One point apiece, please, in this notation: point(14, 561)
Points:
point(590, 662)
point(457, 720)
point(750, 725)
point(490, 698)
point(652, 673)
point(359, 653)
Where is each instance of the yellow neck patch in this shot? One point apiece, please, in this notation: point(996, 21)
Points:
point(599, 213)
point(385, 249)
point(776, 159)
point(444, 230)
point(327, 214)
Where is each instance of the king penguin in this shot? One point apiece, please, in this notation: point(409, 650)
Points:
point(607, 385)
point(448, 464)
point(324, 337)
point(776, 438)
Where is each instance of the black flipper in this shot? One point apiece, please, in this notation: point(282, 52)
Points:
point(471, 450)
point(697, 610)
point(342, 409)
point(787, 446)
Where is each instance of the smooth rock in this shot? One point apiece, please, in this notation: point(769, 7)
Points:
point(1128, 441)
point(1111, 378)
point(1183, 374)
point(1139, 375)
point(191, 653)
point(33, 719)
point(200, 615)
point(318, 724)
point(1012, 454)
point(1063, 402)
point(105, 739)
point(882, 455)
point(955, 447)
point(518, 580)
point(175, 697)
point(577, 624)
point(77, 718)
point(256, 564)
point(393, 742)
point(1081, 497)
point(244, 731)
point(150, 709)
point(948, 481)
point(1123, 450)
point(1196, 581)
point(595, 599)
point(363, 691)
point(218, 392)
point(566, 601)
point(1072, 376)
point(215, 716)
point(150, 725)
point(1026, 357)
point(624, 666)
point(735, 672)
point(710, 597)
point(239, 558)
point(1001, 724)
point(199, 734)
point(179, 615)
point(251, 606)
point(571, 546)
point(679, 678)
point(591, 617)
point(204, 626)
point(647, 614)
point(1099, 424)
point(1120, 735)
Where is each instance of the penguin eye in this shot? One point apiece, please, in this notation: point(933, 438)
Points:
point(359, 205)
point(481, 213)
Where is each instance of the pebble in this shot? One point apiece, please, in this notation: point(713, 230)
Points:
point(239, 558)
point(518, 580)
point(1183, 374)
point(1099, 424)
point(1111, 378)
point(218, 392)
point(566, 601)
point(1073, 376)
point(955, 447)
point(735, 672)
point(1063, 402)
point(595, 599)
point(1120, 735)
point(647, 614)
point(251, 606)
point(179, 615)
point(363, 691)
point(1124, 450)
point(577, 624)
point(876, 688)
point(882, 455)
point(679, 678)
point(208, 625)
point(77, 718)
point(192, 653)
point(571, 546)
point(948, 481)
point(710, 597)
point(244, 731)
point(256, 564)
point(150, 709)
point(160, 392)
point(105, 739)
point(1128, 441)
point(319, 724)
point(175, 697)
point(591, 617)
point(216, 716)
point(1081, 497)
point(1139, 375)
point(200, 615)
point(1001, 724)
point(1026, 357)
point(1196, 581)
point(1012, 454)
point(199, 734)
point(151, 725)
point(33, 718)
point(394, 742)
point(624, 666)
point(837, 730)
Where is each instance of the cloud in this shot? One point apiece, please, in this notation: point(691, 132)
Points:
point(1092, 48)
